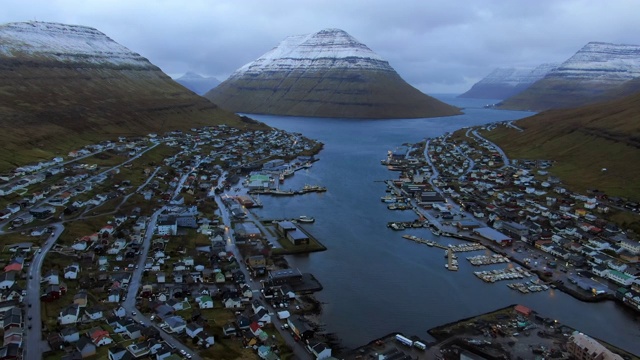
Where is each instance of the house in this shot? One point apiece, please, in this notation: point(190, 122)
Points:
point(7, 279)
point(232, 302)
point(80, 298)
point(193, 329)
point(300, 328)
point(220, 278)
point(160, 278)
point(262, 317)
point(243, 322)
point(70, 334)
point(85, 347)
point(133, 330)
point(15, 264)
point(175, 323)
point(69, 314)
point(55, 341)
point(100, 337)
point(114, 296)
point(229, 329)
point(178, 304)
point(10, 351)
point(71, 271)
point(167, 225)
point(52, 277)
point(319, 350)
point(204, 302)
point(164, 352)
point(205, 338)
point(94, 312)
point(117, 353)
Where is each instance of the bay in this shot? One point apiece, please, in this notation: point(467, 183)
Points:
point(375, 282)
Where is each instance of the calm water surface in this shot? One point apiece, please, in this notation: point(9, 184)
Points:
point(375, 282)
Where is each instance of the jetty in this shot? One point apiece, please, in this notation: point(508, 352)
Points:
point(278, 192)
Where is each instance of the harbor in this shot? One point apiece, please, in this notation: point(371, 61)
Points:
point(352, 222)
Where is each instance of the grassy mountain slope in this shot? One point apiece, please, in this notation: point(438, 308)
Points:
point(328, 93)
point(584, 141)
point(49, 107)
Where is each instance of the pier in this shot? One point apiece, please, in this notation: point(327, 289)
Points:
point(277, 192)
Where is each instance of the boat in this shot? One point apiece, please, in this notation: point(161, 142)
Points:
point(397, 226)
point(307, 165)
point(305, 219)
point(288, 172)
point(388, 199)
point(281, 178)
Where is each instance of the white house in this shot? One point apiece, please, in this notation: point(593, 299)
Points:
point(204, 302)
point(192, 329)
point(71, 271)
point(69, 315)
point(7, 279)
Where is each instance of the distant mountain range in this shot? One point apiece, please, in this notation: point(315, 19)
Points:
point(599, 71)
point(325, 74)
point(502, 83)
point(63, 86)
point(197, 83)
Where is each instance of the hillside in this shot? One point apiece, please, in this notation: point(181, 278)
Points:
point(63, 86)
point(583, 141)
point(324, 74)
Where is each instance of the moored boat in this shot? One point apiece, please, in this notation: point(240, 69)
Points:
point(306, 219)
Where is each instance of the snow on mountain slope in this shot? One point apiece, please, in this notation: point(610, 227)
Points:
point(66, 43)
point(602, 62)
point(514, 76)
point(326, 48)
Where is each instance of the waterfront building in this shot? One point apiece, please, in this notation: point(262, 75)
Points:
point(285, 276)
point(583, 347)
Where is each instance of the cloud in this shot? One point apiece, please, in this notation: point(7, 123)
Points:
point(435, 45)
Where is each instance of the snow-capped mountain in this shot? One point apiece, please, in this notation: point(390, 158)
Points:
point(197, 83)
point(325, 74)
point(602, 62)
point(327, 48)
point(594, 71)
point(66, 43)
point(502, 83)
point(64, 86)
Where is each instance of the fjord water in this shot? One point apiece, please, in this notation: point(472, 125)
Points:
point(375, 282)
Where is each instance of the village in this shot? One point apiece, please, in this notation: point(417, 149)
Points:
point(130, 249)
point(146, 248)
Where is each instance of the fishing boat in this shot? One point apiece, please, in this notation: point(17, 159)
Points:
point(388, 199)
point(305, 219)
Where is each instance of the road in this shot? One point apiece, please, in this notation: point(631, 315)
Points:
point(505, 159)
point(298, 348)
point(129, 303)
point(34, 346)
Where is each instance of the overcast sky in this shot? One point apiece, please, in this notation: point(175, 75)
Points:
point(437, 46)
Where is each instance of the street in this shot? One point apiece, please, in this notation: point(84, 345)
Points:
point(34, 345)
point(298, 348)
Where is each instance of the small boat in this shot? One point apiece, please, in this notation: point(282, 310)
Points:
point(306, 219)
point(307, 165)
point(388, 199)
point(281, 178)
